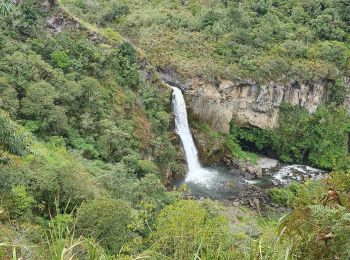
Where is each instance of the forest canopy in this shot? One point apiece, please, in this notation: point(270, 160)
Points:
point(263, 40)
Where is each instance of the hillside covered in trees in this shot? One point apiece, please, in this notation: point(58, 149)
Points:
point(263, 40)
point(256, 41)
point(87, 147)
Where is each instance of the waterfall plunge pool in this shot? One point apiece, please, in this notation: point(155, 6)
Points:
point(218, 182)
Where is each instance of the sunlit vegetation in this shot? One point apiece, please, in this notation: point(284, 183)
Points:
point(85, 133)
point(263, 40)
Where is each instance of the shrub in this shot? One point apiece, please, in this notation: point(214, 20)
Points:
point(185, 230)
point(337, 92)
point(20, 201)
point(209, 19)
point(294, 139)
point(107, 220)
point(13, 137)
point(318, 232)
point(60, 59)
point(284, 196)
point(147, 167)
point(114, 13)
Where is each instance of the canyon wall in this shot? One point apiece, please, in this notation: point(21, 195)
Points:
point(220, 101)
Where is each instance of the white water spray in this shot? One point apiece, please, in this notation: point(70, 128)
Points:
point(196, 173)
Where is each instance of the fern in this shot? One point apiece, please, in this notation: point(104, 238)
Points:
point(6, 8)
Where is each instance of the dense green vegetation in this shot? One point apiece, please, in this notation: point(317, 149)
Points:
point(263, 40)
point(82, 132)
point(85, 140)
point(320, 139)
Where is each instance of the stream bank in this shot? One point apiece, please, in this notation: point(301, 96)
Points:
point(232, 181)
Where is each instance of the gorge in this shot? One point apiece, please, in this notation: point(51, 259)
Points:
point(101, 159)
point(218, 182)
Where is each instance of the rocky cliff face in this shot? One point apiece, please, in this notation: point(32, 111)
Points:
point(218, 102)
point(221, 101)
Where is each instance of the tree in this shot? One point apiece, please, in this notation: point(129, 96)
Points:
point(331, 149)
point(114, 143)
point(127, 67)
point(9, 100)
point(91, 97)
point(146, 167)
point(39, 100)
point(106, 219)
point(56, 122)
point(337, 92)
point(60, 59)
point(328, 26)
point(55, 179)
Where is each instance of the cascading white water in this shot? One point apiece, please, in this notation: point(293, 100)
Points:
point(196, 173)
point(183, 130)
point(214, 181)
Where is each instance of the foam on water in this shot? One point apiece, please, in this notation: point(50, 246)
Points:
point(214, 181)
point(196, 173)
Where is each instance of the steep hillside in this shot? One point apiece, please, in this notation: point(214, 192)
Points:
point(61, 79)
point(86, 135)
point(260, 40)
point(241, 61)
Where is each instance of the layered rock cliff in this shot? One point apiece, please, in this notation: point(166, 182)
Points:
point(248, 103)
point(220, 101)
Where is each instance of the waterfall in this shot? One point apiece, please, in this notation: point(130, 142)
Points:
point(196, 173)
point(183, 130)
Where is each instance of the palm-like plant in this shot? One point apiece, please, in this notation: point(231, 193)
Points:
point(13, 138)
point(6, 7)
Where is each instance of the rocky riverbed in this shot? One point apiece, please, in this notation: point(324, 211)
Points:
point(246, 184)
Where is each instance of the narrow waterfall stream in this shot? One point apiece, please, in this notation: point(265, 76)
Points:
point(183, 130)
point(196, 173)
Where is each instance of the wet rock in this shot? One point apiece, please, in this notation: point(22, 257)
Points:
point(255, 198)
point(247, 169)
point(267, 163)
point(275, 182)
point(229, 185)
point(250, 169)
point(210, 150)
point(248, 176)
point(259, 173)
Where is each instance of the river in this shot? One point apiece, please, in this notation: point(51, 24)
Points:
point(220, 183)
